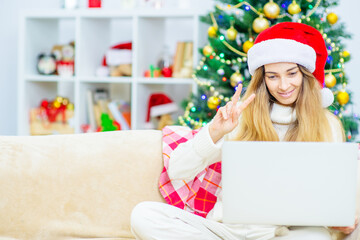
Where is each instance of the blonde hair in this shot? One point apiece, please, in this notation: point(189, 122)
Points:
point(312, 119)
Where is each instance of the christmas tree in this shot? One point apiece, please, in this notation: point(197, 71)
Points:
point(233, 26)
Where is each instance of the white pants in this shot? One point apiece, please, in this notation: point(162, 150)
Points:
point(160, 221)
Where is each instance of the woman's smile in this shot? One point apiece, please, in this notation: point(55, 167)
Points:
point(286, 94)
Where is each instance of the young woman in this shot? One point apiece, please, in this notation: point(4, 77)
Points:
point(284, 102)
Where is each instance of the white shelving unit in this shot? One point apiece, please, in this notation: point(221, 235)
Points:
point(94, 31)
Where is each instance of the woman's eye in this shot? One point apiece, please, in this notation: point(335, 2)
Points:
point(271, 77)
point(293, 73)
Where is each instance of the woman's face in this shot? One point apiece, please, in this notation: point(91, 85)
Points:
point(283, 81)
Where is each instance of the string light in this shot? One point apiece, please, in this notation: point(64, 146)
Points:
point(333, 70)
point(285, 5)
point(228, 62)
point(188, 120)
point(329, 59)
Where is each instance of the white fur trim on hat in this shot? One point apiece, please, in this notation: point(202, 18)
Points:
point(281, 50)
point(327, 97)
point(162, 109)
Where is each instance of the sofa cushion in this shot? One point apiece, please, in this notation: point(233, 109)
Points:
point(76, 186)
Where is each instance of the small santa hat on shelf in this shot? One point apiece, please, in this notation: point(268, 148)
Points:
point(116, 55)
point(159, 104)
point(292, 42)
point(120, 46)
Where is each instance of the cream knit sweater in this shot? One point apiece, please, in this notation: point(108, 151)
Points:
point(191, 157)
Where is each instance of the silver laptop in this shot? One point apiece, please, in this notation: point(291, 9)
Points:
point(289, 183)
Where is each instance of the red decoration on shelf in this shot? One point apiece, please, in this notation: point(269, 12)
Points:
point(94, 3)
point(52, 109)
point(65, 68)
point(44, 103)
point(166, 72)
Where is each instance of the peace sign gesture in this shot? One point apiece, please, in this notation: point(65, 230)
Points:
point(227, 117)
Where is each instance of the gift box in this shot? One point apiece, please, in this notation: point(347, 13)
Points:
point(40, 124)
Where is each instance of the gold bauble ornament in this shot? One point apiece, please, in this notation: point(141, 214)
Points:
point(70, 106)
point(294, 8)
point(260, 24)
point(207, 50)
point(271, 10)
point(345, 54)
point(247, 45)
point(231, 33)
point(330, 80)
point(342, 97)
point(65, 101)
point(212, 31)
point(213, 102)
point(56, 104)
point(235, 79)
point(59, 99)
point(332, 18)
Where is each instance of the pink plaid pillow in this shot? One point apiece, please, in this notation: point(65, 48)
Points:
point(197, 196)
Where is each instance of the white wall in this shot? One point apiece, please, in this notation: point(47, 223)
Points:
point(8, 61)
point(347, 12)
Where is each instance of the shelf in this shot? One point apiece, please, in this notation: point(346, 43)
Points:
point(51, 13)
point(90, 79)
point(165, 80)
point(168, 13)
point(106, 79)
point(48, 78)
point(110, 13)
point(94, 32)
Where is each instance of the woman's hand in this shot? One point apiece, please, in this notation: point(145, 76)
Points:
point(347, 230)
point(226, 118)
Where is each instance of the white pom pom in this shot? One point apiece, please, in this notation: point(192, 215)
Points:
point(102, 71)
point(327, 97)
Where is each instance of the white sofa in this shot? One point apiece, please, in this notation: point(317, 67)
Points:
point(80, 186)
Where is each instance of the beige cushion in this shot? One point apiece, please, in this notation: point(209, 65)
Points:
point(76, 186)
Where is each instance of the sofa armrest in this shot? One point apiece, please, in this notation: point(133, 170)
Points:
point(75, 186)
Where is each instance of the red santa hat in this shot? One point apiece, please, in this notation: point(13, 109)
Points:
point(160, 104)
point(292, 42)
point(116, 55)
point(122, 46)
